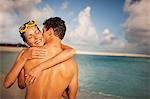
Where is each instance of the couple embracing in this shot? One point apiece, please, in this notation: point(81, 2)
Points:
point(46, 67)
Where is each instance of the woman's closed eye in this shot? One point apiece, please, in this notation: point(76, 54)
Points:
point(29, 37)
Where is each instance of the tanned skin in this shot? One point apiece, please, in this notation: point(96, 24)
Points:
point(21, 60)
point(52, 82)
point(70, 79)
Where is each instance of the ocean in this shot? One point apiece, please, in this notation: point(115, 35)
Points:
point(102, 77)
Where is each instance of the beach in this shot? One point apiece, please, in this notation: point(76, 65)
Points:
point(10, 49)
point(12, 93)
point(15, 93)
point(100, 77)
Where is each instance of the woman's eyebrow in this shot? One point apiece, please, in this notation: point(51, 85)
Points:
point(29, 35)
point(36, 31)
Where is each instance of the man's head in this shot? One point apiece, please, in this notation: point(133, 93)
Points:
point(56, 25)
point(31, 34)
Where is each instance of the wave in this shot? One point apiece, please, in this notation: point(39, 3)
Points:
point(97, 95)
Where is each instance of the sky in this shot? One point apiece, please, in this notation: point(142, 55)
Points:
point(119, 26)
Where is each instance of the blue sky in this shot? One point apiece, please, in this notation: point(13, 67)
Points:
point(92, 25)
point(105, 13)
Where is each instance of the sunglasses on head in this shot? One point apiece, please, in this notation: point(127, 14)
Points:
point(24, 27)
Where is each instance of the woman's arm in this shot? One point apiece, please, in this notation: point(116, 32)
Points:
point(66, 54)
point(21, 79)
point(23, 56)
point(13, 73)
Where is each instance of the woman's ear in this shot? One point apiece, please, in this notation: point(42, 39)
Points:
point(26, 44)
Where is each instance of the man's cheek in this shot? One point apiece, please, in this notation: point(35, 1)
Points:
point(45, 36)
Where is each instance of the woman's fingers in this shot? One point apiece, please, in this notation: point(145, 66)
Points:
point(39, 53)
point(29, 79)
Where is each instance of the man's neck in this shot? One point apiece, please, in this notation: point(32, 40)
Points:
point(55, 41)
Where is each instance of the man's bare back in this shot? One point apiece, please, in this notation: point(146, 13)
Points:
point(51, 82)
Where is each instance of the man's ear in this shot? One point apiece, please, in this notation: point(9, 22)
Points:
point(26, 44)
point(51, 30)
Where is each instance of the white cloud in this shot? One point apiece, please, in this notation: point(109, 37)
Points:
point(85, 33)
point(137, 26)
point(14, 13)
point(41, 14)
point(110, 42)
point(85, 37)
point(137, 30)
point(108, 37)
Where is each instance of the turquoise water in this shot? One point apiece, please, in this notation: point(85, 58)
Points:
point(117, 76)
point(124, 77)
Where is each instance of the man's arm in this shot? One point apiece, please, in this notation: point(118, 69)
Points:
point(21, 79)
point(73, 86)
point(66, 54)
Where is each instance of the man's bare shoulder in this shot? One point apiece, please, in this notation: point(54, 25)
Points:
point(71, 60)
point(72, 63)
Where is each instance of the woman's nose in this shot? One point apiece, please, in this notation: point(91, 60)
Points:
point(36, 36)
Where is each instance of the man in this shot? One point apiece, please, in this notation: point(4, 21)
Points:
point(55, 74)
point(53, 81)
point(31, 53)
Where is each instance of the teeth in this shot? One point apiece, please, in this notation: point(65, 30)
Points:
point(38, 41)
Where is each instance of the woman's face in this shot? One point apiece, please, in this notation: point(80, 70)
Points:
point(34, 37)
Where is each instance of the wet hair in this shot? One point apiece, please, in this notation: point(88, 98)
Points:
point(22, 34)
point(58, 26)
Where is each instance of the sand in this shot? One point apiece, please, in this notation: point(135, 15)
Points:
point(15, 93)
point(12, 93)
point(10, 49)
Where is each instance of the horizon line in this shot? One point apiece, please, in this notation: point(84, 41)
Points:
point(16, 49)
point(112, 54)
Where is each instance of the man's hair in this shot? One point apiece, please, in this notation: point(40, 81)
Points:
point(58, 26)
point(22, 34)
